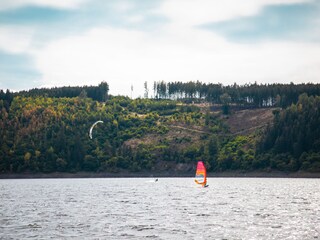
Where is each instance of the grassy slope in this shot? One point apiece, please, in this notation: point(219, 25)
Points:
point(181, 135)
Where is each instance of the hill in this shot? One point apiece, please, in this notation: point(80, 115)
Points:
point(47, 131)
point(43, 134)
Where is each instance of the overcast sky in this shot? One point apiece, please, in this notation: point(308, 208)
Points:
point(45, 43)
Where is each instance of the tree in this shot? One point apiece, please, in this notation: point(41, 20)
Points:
point(225, 100)
point(103, 91)
point(146, 90)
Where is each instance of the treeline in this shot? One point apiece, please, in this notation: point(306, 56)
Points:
point(97, 93)
point(6, 99)
point(256, 95)
point(247, 95)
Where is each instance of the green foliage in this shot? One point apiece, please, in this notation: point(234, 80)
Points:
point(310, 161)
point(47, 130)
point(237, 153)
point(225, 100)
point(293, 140)
point(43, 134)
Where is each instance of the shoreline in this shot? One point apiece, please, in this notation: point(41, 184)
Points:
point(229, 174)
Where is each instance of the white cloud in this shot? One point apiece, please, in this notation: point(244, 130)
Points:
point(174, 52)
point(135, 19)
point(15, 39)
point(123, 57)
point(69, 4)
point(192, 12)
point(123, 6)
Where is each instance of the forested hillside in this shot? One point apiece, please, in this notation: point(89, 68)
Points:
point(293, 141)
point(47, 130)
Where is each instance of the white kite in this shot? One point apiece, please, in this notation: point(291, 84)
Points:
point(93, 125)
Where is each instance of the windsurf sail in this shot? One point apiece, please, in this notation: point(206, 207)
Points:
point(201, 174)
point(93, 125)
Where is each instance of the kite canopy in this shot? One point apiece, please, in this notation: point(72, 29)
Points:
point(93, 125)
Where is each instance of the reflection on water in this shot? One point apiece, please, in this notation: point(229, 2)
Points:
point(172, 208)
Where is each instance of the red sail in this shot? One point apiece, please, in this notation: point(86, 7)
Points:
point(201, 174)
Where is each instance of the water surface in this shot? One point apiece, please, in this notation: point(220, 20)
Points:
point(172, 208)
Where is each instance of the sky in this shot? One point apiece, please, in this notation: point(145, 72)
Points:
point(47, 43)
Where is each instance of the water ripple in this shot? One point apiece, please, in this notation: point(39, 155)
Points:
point(230, 208)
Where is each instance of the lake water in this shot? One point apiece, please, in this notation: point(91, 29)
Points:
point(172, 208)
